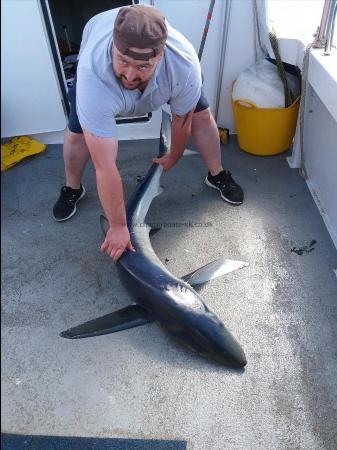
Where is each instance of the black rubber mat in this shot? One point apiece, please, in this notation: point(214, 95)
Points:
point(24, 442)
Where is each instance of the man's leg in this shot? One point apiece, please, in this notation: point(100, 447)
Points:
point(205, 136)
point(75, 155)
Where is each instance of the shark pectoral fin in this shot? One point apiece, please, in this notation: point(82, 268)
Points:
point(129, 317)
point(104, 224)
point(213, 270)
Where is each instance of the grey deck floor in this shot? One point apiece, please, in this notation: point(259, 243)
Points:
point(138, 383)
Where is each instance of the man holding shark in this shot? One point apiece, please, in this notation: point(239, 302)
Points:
point(132, 62)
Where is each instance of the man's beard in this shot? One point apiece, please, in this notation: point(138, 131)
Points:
point(136, 83)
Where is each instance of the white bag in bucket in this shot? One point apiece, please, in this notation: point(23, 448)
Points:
point(262, 85)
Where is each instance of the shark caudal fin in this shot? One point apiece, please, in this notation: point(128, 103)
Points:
point(213, 270)
point(130, 317)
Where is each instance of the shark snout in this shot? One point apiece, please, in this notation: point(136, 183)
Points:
point(230, 350)
point(219, 344)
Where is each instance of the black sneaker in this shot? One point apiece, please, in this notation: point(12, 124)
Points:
point(230, 191)
point(65, 207)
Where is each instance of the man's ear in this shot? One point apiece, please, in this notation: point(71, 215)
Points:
point(160, 56)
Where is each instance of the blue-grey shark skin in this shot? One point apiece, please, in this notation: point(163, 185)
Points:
point(167, 299)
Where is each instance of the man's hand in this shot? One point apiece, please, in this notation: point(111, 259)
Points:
point(167, 161)
point(181, 131)
point(116, 241)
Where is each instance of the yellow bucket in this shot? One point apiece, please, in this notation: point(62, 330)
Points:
point(264, 131)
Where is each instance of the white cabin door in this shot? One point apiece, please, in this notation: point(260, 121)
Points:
point(31, 99)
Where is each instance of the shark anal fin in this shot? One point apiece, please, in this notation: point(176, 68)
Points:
point(129, 317)
point(213, 270)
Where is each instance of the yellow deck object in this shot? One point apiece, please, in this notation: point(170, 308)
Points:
point(264, 131)
point(224, 135)
point(17, 149)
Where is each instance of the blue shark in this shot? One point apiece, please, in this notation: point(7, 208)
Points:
point(159, 295)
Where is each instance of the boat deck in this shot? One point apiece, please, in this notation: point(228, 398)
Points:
point(139, 384)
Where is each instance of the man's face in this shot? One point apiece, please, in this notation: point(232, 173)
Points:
point(133, 73)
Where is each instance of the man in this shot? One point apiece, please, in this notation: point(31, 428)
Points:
point(132, 62)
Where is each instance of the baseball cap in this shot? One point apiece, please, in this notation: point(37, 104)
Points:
point(140, 26)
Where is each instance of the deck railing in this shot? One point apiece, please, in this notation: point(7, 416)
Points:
point(326, 29)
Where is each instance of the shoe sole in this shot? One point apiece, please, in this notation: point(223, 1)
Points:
point(75, 209)
point(222, 196)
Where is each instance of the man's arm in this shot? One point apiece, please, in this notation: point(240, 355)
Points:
point(181, 131)
point(103, 152)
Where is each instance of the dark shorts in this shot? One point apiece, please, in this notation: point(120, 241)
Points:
point(74, 124)
point(202, 103)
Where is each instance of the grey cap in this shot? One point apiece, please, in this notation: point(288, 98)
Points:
point(140, 26)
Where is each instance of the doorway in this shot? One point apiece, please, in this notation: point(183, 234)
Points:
point(69, 18)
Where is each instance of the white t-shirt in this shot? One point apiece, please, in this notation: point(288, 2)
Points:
point(100, 96)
